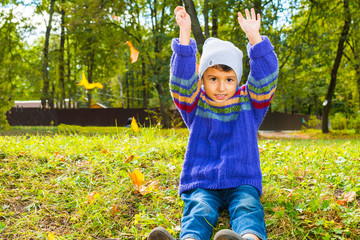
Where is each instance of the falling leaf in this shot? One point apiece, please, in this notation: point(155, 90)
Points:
point(84, 82)
point(129, 159)
point(51, 236)
point(134, 125)
point(134, 54)
point(349, 197)
point(116, 17)
point(92, 197)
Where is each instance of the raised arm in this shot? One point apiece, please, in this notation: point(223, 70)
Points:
point(184, 21)
point(251, 25)
point(184, 83)
point(262, 79)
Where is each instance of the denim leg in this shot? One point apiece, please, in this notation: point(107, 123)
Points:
point(201, 212)
point(246, 211)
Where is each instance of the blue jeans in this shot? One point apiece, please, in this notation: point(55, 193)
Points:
point(202, 206)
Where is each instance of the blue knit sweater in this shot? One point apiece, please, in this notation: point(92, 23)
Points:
point(222, 150)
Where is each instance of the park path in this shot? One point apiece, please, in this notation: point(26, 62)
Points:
point(282, 135)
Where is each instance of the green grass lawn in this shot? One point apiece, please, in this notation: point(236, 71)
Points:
point(73, 182)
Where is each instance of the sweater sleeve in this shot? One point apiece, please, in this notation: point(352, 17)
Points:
point(263, 75)
point(184, 83)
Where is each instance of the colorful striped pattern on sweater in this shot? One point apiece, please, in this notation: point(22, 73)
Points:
point(188, 95)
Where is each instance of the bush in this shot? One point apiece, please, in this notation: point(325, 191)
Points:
point(341, 122)
point(355, 123)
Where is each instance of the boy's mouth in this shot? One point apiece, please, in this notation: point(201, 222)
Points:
point(220, 96)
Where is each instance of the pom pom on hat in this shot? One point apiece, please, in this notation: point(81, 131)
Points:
point(216, 51)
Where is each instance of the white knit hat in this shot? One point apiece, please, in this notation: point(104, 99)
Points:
point(216, 51)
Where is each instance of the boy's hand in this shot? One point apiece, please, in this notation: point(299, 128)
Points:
point(251, 26)
point(184, 21)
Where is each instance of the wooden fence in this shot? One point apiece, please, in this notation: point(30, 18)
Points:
point(274, 121)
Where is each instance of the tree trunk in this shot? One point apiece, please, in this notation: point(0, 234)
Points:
point(334, 70)
point(206, 18)
point(195, 25)
point(45, 91)
point(61, 60)
point(163, 106)
point(143, 73)
point(214, 20)
point(121, 91)
point(69, 71)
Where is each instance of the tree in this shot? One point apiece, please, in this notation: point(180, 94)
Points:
point(45, 92)
point(334, 70)
point(10, 60)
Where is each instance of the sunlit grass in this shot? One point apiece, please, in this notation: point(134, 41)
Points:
point(74, 183)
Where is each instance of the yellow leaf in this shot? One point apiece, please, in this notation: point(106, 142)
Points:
point(51, 236)
point(133, 52)
point(148, 189)
point(84, 82)
point(134, 125)
point(137, 178)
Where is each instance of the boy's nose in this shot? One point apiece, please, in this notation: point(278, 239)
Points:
point(221, 86)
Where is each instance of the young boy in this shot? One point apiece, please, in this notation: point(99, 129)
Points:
point(222, 166)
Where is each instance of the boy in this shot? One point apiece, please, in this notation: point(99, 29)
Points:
point(222, 166)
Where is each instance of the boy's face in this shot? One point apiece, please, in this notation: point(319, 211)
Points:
point(219, 85)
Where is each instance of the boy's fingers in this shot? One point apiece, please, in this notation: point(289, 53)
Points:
point(178, 8)
point(253, 16)
point(259, 17)
point(240, 16)
point(247, 13)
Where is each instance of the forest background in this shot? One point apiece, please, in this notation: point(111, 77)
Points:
point(317, 43)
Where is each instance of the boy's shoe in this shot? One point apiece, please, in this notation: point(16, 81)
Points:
point(160, 233)
point(227, 234)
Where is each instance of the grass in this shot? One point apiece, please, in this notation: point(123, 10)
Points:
point(73, 182)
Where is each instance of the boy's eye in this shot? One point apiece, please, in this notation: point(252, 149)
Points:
point(230, 80)
point(213, 79)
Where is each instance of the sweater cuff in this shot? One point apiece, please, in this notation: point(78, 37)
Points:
point(260, 49)
point(184, 50)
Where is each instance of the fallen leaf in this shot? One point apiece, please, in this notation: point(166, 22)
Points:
point(148, 189)
point(290, 194)
point(349, 197)
point(114, 209)
point(51, 236)
point(137, 177)
point(92, 197)
point(129, 159)
point(285, 170)
point(105, 151)
point(138, 180)
point(134, 125)
point(341, 202)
